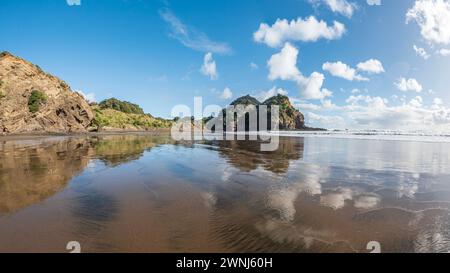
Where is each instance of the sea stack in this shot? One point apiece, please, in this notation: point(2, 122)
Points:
point(289, 117)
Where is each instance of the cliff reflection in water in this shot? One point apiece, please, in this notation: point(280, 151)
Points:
point(247, 155)
point(33, 170)
point(145, 193)
point(114, 150)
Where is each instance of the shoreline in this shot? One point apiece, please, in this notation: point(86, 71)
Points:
point(281, 133)
point(38, 135)
point(156, 131)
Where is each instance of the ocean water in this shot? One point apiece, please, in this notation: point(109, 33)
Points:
point(318, 192)
point(394, 135)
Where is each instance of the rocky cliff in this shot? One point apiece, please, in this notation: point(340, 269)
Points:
point(32, 101)
point(289, 117)
point(246, 100)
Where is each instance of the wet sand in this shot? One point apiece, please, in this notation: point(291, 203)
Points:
point(146, 193)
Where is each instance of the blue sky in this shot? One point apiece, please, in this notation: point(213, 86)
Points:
point(154, 53)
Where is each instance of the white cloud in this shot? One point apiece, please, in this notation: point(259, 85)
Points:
point(190, 37)
point(438, 101)
point(409, 116)
point(303, 105)
point(311, 88)
point(253, 66)
point(372, 66)
point(421, 52)
point(342, 70)
point(343, 7)
point(433, 18)
point(403, 84)
point(444, 52)
point(416, 102)
point(441, 117)
point(374, 102)
point(328, 104)
point(90, 97)
point(73, 2)
point(325, 121)
point(209, 66)
point(270, 93)
point(226, 94)
point(283, 66)
point(367, 112)
point(375, 113)
point(374, 2)
point(306, 30)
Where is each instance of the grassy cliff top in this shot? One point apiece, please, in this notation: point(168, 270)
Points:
point(281, 100)
point(110, 118)
point(121, 106)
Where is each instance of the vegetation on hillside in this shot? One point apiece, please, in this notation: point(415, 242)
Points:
point(35, 100)
point(121, 106)
point(281, 101)
point(111, 118)
point(245, 100)
point(287, 111)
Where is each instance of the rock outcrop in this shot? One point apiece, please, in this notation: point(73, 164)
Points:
point(58, 109)
point(289, 117)
point(246, 100)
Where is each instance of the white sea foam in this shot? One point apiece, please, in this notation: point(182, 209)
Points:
point(388, 135)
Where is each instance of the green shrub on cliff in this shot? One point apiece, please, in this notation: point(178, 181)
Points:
point(119, 120)
point(35, 100)
point(122, 106)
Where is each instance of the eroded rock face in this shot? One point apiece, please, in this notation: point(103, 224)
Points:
point(64, 111)
point(290, 118)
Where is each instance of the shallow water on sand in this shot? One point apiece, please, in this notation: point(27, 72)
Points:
point(141, 193)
